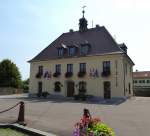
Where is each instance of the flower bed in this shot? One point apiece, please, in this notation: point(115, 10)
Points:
point(89, 126)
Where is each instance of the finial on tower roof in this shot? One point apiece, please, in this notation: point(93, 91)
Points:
point(83, 10)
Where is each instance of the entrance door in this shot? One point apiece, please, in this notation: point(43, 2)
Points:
point(39, 88)
point(70, 89)
point(107, 90)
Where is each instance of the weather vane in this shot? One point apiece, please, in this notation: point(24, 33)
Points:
point(83, 10)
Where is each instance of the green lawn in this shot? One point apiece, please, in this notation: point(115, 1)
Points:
point(10, 132)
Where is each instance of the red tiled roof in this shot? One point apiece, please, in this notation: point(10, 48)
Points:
point(141, 74)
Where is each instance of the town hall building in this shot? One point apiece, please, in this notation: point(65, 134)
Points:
point(86, 61)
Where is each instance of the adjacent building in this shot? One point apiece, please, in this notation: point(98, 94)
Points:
point(141, 83)
point(87, 60)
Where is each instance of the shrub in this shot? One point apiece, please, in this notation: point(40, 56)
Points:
point(57, 87)
point(81, 96)
point(45, 94)
point(38, 94)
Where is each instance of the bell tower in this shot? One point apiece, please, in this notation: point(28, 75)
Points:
point(83, 22)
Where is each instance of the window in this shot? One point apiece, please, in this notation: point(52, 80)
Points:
point(69, 67)
point(84, 49)
point(58, 68)
point(40, 69)
point(82, 86)
point(143, 81)
point(71, 51)
point(40, 72)
point(140, 81)
point(106, 69)
point(82, 67)
point(135, 81)
point(106, 66)
point(69, 72)
point(60, 52)
point(148, 81)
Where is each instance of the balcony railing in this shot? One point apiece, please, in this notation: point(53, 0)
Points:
point(81, 74)
point(106, 73)
point(68, 74)
point(56, 74)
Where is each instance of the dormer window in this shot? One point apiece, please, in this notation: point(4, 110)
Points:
point(71, 51)
point(84, 49)
point(60, 52)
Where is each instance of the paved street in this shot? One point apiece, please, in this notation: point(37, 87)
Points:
point(130, 118)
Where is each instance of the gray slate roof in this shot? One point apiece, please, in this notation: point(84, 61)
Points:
point(100, 39)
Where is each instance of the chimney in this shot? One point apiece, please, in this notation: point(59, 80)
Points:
point(97, 26)
point(71, 30)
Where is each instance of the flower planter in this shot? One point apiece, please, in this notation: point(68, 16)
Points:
point(39, 75)
point(89, 126)
point(68, 74)
point(81, 74)
point(56, 74)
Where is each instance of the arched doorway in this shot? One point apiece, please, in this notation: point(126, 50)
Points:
point(70, 89)
point(107, 90)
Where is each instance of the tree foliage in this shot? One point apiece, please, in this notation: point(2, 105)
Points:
point(25, 84)
point(9, 74)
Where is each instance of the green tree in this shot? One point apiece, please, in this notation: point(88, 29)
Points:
point(9, 74)
point(25, 85)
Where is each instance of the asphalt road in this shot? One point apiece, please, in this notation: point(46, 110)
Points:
point(129, 118)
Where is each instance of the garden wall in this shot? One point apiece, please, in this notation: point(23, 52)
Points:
point(142, 92)
point(9, 90)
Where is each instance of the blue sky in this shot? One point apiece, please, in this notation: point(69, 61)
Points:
point(28, 26)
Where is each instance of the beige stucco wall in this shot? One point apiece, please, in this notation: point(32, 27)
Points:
point(94, 85)
point(128, 77)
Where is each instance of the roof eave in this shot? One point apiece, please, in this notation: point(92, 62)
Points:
point(90, 55)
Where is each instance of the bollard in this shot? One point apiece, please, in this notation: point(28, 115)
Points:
point(21, 114)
